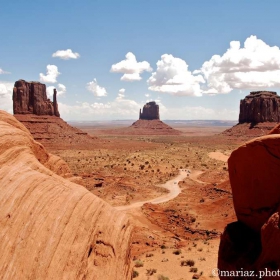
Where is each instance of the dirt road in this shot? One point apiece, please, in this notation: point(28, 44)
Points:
point(171, 185)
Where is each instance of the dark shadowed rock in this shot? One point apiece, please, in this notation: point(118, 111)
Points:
point(260, 106)
point(242, 249)
point(150, 111)
point(31, 98)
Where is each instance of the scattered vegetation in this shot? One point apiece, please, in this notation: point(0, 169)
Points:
point(187, 263)
point(193, 269)
point(135, 274)
point(177, 252)
point(149, 255)
point(151, 271)
point(139, 263)
point(162, 277)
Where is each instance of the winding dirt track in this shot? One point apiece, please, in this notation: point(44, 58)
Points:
point(171, 185)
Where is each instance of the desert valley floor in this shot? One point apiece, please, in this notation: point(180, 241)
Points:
point(177, 236)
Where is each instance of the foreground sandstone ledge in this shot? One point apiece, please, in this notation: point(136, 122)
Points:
point(50, 227)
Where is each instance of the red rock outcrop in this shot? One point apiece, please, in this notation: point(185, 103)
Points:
point(252, 243)
point(260, 106)
point(31, 98)
point(50, 227)
point(150, 111)
point(259, 113)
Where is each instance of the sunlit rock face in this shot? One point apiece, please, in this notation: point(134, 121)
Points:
point(52, 228)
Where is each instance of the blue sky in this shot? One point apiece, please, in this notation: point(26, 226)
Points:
point(163, 50)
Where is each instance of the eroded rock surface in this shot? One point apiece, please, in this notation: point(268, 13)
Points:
point(31, 98)
point(50, 227)
point(260, 106)
point(52, 131)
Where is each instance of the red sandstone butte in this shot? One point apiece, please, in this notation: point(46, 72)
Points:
point(31, 98)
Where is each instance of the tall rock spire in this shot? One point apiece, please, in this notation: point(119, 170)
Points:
point(55, 106)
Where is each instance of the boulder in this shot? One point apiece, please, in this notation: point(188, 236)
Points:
point(31, 98)
point(253, 242)
point(255, 181)
point(50, 227)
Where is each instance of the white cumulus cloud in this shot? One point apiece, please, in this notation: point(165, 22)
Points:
point(96, 89)
point(172, 76)
point(131, 68)
point(66, 54)
point(61, 89)
point(120, 108)
point(52, 73)
point(254, 66)
point(3, 72)
point(121, 93)
point(6, 94)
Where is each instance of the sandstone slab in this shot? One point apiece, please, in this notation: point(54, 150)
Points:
point(50, 227)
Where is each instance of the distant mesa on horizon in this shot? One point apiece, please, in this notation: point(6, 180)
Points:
point(259, 114)
point(31, 98)
point(150, 124)
point(150, 111)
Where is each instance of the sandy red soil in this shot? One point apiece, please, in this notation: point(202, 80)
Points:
point(126, 169)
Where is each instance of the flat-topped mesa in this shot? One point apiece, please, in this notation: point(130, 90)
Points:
point(260, 106)
point(150, 111)
point(31, 98)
